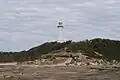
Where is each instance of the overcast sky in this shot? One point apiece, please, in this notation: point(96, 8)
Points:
point(27, 23)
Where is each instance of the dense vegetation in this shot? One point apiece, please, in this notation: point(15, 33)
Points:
point(110, 49)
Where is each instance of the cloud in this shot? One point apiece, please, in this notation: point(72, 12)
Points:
point(26, 23)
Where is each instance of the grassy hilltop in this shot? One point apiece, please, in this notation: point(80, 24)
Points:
point(109, 49)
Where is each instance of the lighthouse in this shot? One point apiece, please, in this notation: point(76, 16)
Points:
point(60, 32)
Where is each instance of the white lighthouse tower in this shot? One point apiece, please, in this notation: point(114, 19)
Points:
point(60, 32)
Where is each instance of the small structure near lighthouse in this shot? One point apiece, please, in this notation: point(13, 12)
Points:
point(60, 28)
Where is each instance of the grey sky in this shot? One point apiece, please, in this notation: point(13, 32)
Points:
point(27, 23)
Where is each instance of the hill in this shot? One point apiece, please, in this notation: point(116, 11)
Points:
point(110, 49)
point(96, 48)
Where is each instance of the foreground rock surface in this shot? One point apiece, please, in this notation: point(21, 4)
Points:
point(19, 72)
